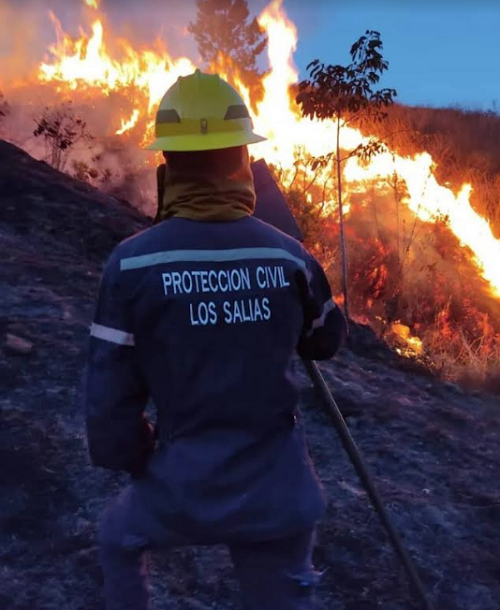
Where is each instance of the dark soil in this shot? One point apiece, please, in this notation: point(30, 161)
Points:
point(433, 450)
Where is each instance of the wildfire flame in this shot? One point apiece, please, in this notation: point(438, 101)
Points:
point(86, 62)
point(436, 200)
point(144, 75)
point(403, 332)
point(132, 122)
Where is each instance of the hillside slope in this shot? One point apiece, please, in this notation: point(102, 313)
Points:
point(433, 450)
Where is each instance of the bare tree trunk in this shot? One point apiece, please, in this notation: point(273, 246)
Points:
point(395, 184)
point(343, 253)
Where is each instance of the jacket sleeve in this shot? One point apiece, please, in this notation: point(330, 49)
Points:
point(325, 328)
point(119, 436)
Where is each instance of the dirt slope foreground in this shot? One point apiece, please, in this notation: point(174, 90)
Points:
point(434, 451)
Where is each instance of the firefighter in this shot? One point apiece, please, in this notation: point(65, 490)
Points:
point(201, 315)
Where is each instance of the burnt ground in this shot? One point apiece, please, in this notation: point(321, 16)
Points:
point(433, 450)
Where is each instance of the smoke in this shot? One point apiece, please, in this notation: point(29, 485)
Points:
point(22, 33)
point(117, 165)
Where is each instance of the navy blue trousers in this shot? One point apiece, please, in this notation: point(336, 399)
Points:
point(273, 574)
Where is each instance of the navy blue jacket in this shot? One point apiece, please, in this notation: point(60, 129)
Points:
point(204, 319)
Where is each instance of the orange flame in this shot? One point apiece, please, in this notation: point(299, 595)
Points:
point(403, 332)
point(430, 200)
point(128, 125)
point(145, 75)
point(86, 63)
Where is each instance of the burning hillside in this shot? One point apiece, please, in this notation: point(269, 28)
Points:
point(432, 448)
point(423, 263)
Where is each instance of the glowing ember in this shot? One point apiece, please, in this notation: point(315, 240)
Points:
point(416, 344)
point(403, 332)
point(92, 3)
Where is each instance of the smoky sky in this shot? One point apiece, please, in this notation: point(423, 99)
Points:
point(441, 52)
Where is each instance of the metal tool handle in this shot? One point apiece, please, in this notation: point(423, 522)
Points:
point(362, 472)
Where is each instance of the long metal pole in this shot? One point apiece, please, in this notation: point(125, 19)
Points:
point(362, 472)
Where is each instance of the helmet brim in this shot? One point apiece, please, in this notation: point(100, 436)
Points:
point(209, 141)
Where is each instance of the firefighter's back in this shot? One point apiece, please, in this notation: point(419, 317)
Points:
point(216, 311)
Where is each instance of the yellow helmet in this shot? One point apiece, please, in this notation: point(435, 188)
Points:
point(202, 112)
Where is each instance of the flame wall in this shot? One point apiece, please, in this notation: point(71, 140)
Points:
point(116, 85)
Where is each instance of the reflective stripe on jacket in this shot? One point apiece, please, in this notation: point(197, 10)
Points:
point(204, 319)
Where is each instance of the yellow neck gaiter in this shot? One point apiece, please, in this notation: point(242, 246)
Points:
point(219, 190)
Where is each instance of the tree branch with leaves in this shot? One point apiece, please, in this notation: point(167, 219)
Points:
point(223, 29)
point(61, 129)
point(346, 95)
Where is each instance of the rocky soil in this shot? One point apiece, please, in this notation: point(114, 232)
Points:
point(433, 450)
